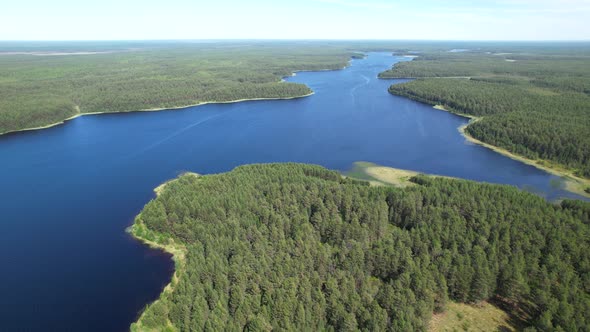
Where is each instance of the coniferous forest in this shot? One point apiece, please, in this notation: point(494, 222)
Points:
point(534, 105)
point(298, 247)
point(38, 89)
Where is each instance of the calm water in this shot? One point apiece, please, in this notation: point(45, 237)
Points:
point(68, 193)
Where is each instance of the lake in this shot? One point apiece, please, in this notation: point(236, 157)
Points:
point(69, 192)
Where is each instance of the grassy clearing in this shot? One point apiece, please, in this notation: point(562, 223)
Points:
point(375, 174)
point(381, 175)
point(465, 317)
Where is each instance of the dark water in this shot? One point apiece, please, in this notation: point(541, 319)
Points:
point(68, 192)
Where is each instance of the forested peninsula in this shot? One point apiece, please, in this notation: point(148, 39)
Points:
point(534, 104)
point(299, 247)
point(38, 89)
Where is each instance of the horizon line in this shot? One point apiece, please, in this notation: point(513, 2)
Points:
point(296, 39)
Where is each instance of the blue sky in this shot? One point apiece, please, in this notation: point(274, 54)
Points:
point(302, 19)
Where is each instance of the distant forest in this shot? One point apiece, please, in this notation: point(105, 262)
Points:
point(298, 247)
point(38, 86)
point(40, 89)
point(534, 105)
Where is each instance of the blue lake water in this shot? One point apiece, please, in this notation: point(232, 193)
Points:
point(68, 192)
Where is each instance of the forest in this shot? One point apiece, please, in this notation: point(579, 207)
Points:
point(42, 83)
point(534, 105)
point(297, 247)
point(42, 88)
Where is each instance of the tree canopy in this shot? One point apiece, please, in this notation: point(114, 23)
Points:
point(298, 247)
point(37, 90)
point(537, 106)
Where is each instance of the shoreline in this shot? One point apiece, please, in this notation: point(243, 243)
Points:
point(138, 231)
point(420, 77)
point(178, 256)
point(572, 182)
point(160, 188)
point(157, 109)
point(379, 175)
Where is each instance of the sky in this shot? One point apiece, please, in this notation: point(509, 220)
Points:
point(300, 19)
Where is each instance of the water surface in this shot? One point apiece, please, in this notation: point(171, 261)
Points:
point(69, 192)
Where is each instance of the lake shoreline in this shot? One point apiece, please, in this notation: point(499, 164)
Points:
point(572, 182)
point(178, 253)
point(157, 109)
point(139, 232)
point(178, 256)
